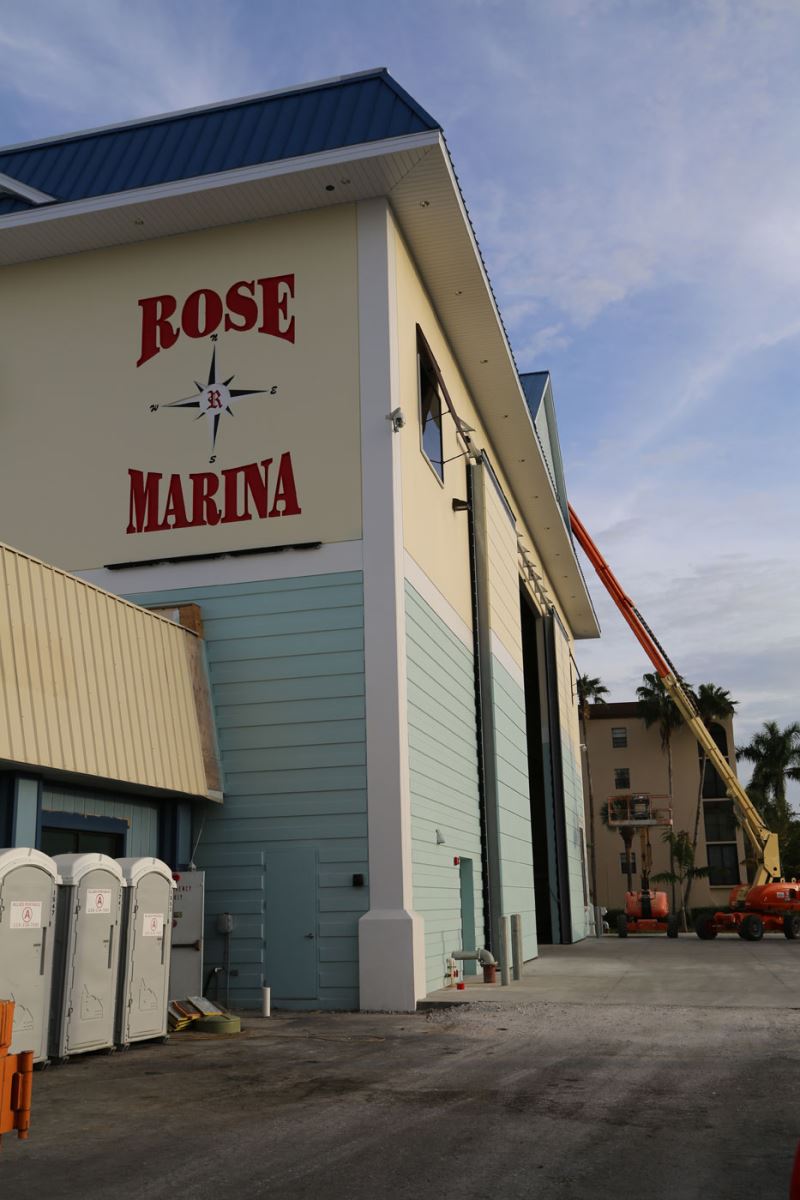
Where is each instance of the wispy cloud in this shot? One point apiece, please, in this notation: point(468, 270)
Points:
point(633, 173)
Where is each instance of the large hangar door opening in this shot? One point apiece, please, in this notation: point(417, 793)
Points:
point(545, 876)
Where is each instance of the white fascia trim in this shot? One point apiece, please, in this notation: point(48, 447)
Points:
point(330, 559)
point(22, 191)
point(177, 113)
point(204, 183)
point(437, 602)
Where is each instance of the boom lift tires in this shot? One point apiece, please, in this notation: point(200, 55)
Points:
point(705, 928)
point(791, 926)
point(622, 925)
point(672, 925)
point(751, 928)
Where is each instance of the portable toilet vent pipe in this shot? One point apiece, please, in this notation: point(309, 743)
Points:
point(86, 967)
point(147, 904)
point(28, 885)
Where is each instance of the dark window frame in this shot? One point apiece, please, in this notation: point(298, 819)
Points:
point(428, 368)
point(78, 823)
point(619, 737)
point(722, 874)
point(633, 862)
point(713, 787)
point(619, 786)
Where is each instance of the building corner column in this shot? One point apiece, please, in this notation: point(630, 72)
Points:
point(390, 934)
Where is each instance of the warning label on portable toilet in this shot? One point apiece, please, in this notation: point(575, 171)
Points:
point(25, 914)
point(98, 901)
point(153, 925)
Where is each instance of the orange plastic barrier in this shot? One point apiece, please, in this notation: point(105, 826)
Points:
point(16, 1079)
point(794, 1193)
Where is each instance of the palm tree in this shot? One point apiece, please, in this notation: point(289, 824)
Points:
point(775, 754)
point(713, 704)
point(590, 690)
point(656, 707)
point(682, 869)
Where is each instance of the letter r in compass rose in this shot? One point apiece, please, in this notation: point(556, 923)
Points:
point(215, 398)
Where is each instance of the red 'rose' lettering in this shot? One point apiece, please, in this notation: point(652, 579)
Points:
point(157, 332)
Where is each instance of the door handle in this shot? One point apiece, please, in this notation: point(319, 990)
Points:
point(310, 936)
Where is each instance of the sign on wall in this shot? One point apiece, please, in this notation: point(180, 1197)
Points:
point(195, 394)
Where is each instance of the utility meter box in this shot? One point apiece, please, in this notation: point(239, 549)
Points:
point(86, 967)
point(28, 886)
point(186, 967)
point(146, 939)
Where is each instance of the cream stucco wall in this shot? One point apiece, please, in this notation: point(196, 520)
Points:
point(434, 535)
point(648, 773)
point(76, 412)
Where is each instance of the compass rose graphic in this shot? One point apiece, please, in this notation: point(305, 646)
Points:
point(215, 398)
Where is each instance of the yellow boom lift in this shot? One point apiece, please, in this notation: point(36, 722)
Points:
point(767, 904)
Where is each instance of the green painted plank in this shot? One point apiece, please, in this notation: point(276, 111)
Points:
point(272, 647)
point(232, 609)
point(310, 733)
point(285, 712)
point(290, 666)
point(293, 758)
point(274, 625)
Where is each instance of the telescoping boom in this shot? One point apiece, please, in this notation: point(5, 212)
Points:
point(763, 840)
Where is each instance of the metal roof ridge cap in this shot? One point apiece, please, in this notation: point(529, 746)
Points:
point(413, 104)
point(217, 179)
point(176, 114)
point(23, 191)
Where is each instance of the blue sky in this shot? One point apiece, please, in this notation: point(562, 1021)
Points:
point(632, 168)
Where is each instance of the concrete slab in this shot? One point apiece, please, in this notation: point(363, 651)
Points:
point(541, 1102)
point(684, 971)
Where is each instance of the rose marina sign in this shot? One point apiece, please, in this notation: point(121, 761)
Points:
point(234, 494)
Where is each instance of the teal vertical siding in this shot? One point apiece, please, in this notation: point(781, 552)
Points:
point(141, 816)
point(516, 847)
point(444, 780)
point(286, 665)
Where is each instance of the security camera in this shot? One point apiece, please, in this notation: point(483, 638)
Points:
point(397, 419)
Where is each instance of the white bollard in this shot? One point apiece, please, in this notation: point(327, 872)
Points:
point(265, 1002)
point(505, 951)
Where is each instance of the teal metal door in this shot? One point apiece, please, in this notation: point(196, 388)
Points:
point(291, 957)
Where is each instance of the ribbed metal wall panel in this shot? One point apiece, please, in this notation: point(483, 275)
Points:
point(93, 685)
point(342, 113)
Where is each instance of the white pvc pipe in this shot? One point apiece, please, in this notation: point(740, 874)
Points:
point(265, 1002)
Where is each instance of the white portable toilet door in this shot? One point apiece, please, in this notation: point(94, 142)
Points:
point(27, 899)
point(93, 969)
point(152, 929)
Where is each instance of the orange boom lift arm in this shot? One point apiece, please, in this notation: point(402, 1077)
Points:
point(763, 841)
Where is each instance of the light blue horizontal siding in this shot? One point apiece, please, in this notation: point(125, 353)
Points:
point(444, 780)
point(141, 816)
point(286, 665)
point(513, 786)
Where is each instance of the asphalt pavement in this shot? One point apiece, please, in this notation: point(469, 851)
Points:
point(541, 1099)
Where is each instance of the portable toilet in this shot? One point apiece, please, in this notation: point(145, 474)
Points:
point(28, 885)
point(144, 959)
point(86, 968)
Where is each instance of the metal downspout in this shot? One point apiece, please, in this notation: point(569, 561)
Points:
point(487, 771)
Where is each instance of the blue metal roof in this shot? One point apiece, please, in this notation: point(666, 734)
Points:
point(324, 116)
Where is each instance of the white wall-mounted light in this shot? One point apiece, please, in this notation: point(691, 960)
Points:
point(439, 838)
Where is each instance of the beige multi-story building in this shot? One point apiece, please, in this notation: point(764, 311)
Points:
point(624, 756)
